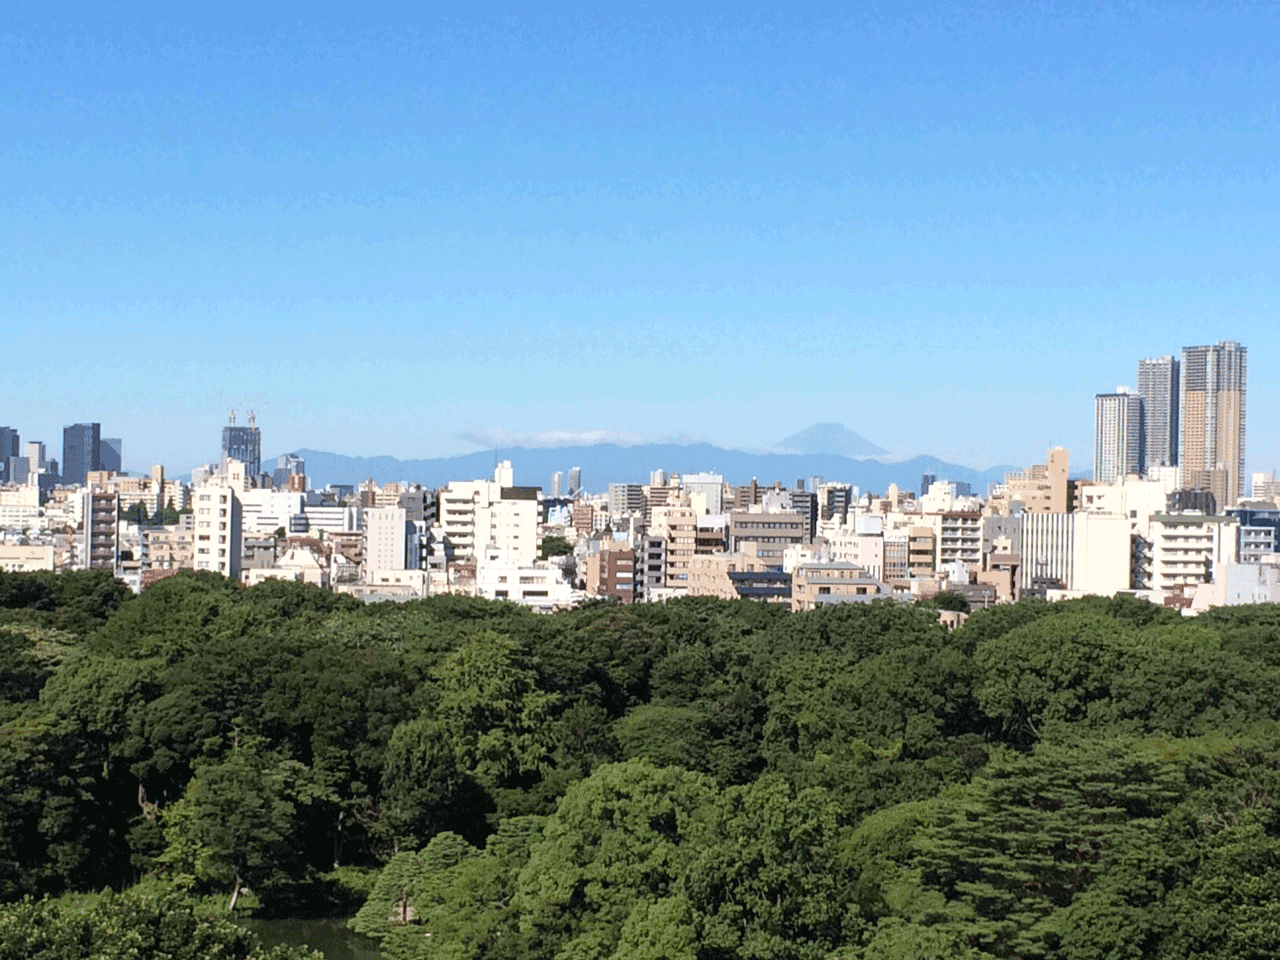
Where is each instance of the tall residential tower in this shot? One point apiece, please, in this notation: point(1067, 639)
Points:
point(1158, 380)
point(1211, 454)
point(1117, 435)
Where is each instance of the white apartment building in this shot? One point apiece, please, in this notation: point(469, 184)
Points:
point(386, 539)
point(538, 585)
point(333, 518)
point(1190, 548)
point(477, 514)
point(265, 511)
point(219, 536)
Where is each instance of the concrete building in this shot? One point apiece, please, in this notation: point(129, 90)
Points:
point(772, 533)
point(711, 534)
point(1259, 532)
point(100, 535)
point(611, 571)
point(288, 468)
point(478, 513)
point(1041, 488)
point(538, 585)
point(1249, 583)
point(1190, 548)
point(817, 584)
point(922, 551)
point(333, 518)
point(582, 518)
point(169, 548)
point(298, 565)
point(243, 443)
point(897, 563)
point(1159, 386)
point(835, 500)
point(705, 492)
point(1080, 553)
point(1212, 443)
point(387, 536)
point(625, 499)
point(738, 576)
point(1265, 486)
point(24, 558)
point(651, 573)
point(1117, 436)
point(959, 538)
point(269, 510)
point(678, 526)
point(219, 537)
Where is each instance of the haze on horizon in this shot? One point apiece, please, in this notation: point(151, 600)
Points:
point(395, 231)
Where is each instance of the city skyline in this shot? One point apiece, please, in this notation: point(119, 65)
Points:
point(400, 234)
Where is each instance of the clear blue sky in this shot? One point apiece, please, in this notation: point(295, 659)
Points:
point(388, 227)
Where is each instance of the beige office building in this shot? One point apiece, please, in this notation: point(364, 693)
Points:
point(1042, 488)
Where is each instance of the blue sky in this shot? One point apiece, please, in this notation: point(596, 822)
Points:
point(390, 227)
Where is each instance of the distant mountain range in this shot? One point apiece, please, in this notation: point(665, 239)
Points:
point(607, 463)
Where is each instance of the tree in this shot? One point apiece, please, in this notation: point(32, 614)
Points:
point(236, 825)
point(621, 838)
point(768, 881)
point(136, 513)
point(950, 600)
point(493, 713)
point(553, 546)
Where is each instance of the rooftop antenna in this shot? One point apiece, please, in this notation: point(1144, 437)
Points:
point(252, 419)
point(233, 416)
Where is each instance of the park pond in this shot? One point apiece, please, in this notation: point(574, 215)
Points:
point(330, 936)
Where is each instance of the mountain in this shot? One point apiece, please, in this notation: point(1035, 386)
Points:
point(830, 438)
point(607, 463)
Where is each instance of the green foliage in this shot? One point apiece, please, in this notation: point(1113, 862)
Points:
point(136, 513)
point(621, 838)
point(769, 882)
point(129, 925)
point(553, 546)
point(950, 600)
point(1085, 779)
point(238, 822)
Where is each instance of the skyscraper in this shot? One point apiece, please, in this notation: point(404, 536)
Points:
point(111, 452)
point(243, 444)
point(1117, 435)
point(575, 480)
point(1158, 380)
point(9, 447)
point(81, 451)
point(1211, 451)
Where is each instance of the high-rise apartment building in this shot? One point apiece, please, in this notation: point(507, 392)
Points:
point(1211, 448)
point(575, 480)
point(1158, 385)
point(243, 444)
point(81, 451)
point(1117, 435)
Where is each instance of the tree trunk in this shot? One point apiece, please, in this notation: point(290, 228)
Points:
point(235, 895)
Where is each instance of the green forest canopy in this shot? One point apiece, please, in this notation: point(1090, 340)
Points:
point(703, 779)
